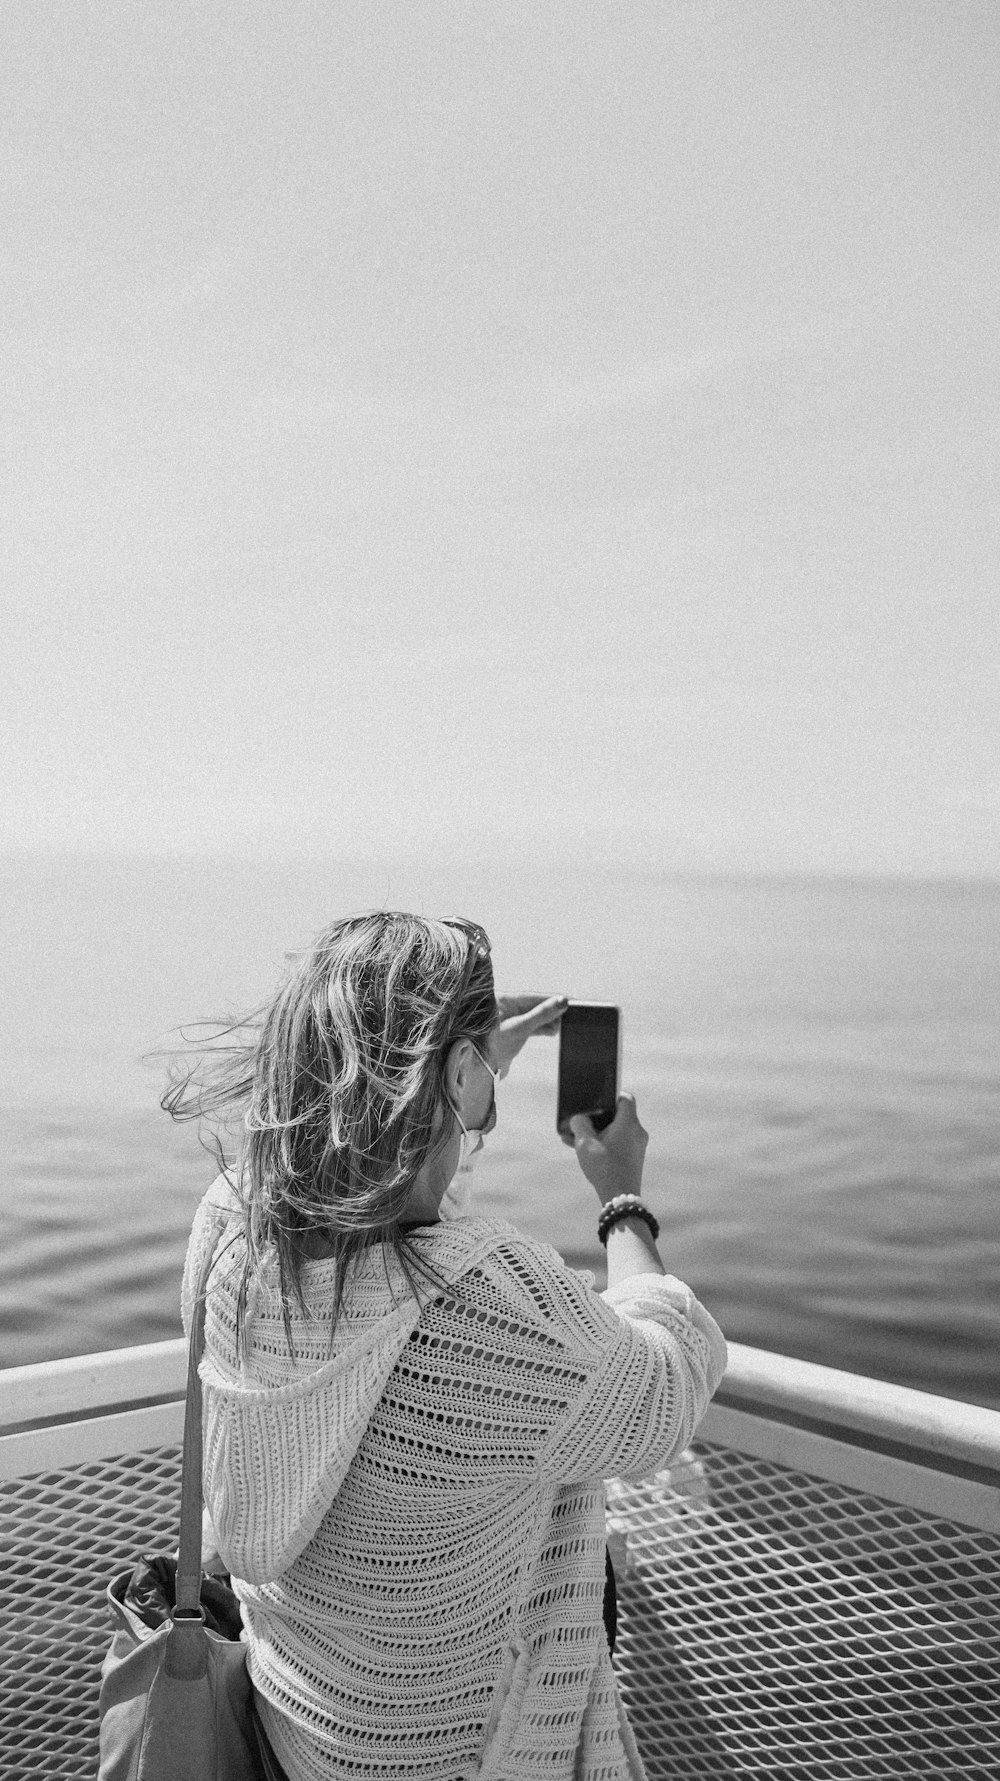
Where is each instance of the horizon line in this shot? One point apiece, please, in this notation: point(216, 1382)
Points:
point(486, 861)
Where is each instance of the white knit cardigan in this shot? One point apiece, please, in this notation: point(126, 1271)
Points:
point(414, 1521)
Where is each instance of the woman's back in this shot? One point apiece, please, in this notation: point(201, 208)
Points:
point(427, 1575)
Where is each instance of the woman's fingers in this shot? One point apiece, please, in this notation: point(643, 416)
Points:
point(582, 1127)
point(545, 1016)
point(532, 1014)
point(611, 1159)
point(521, 1017)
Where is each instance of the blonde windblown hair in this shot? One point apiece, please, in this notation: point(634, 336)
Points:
point(327, 1102)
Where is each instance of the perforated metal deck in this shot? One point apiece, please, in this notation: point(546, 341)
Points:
point(63, 1537)
point(782, 1627)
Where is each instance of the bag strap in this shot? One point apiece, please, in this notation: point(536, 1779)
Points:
point(188, 1586)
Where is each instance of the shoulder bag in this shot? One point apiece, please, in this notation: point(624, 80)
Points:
point(176, 1701)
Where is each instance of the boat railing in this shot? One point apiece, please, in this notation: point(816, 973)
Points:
point(811, 1592)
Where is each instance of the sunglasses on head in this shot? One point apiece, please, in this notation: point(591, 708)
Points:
point(478, 949)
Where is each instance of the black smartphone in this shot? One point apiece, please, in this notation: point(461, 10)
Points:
point(590, 1051)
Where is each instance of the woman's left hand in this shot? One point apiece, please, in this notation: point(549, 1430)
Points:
point(523, 1016)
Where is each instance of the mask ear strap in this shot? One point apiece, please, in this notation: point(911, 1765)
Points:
point(447, 1097)
point(463, 1163)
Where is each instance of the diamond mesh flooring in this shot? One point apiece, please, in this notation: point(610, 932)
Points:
point(64, 1536)
point(771, 1626)
point(780, 1627)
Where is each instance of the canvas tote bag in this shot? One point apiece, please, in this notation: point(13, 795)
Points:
point(176, 1701)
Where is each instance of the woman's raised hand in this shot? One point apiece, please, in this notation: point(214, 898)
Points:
point(612, 1160)
point(523, 1016)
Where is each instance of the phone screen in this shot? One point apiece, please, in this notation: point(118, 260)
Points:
point(588, 1062)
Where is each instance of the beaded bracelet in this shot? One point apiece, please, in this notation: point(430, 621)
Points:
point(612, 1205)
point(621, 1207)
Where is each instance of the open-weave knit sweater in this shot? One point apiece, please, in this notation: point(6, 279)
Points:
point(414, 1521)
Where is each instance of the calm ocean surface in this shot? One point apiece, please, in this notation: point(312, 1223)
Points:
point(818, 1064)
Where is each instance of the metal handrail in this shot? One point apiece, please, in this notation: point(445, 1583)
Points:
point(946, 1428)
point(46, 1390)
point(756, 1381)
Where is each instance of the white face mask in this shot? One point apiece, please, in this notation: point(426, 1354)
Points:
point(458, 1192)
point(457, 1196)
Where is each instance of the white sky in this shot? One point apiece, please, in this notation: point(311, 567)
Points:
point(454, 425)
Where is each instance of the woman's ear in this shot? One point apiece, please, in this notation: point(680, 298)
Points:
point(456, 1070)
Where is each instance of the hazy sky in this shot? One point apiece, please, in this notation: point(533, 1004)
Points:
point(455, 426)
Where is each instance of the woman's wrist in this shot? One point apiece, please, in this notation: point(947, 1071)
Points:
point(613, 1190)
point(625, 1208)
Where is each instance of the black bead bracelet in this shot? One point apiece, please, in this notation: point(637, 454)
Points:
point(621, 1207)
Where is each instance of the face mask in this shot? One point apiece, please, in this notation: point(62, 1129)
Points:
point(457, 1196)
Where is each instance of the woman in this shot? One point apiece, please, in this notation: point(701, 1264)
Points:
point(408, 1415)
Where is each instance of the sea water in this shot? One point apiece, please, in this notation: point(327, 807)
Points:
point(816, 1063)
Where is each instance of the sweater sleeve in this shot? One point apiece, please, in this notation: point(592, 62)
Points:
point(648, 1357)
point(216, 1208)
point(215, 1215)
